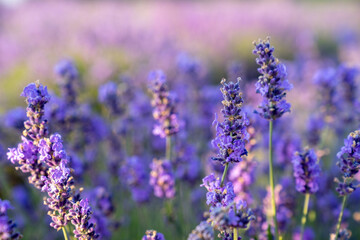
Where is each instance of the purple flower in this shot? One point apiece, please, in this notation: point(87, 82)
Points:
point(137, 179)
point(231, 134)
point(66, 69)
point(164, 106)
point(153, 235)
point(314, 127)
point(203, 231)
point(36, 94)
point(306, 171)
point(162, 179)
point(79, 215)
point(218, 195)
point(272, 83)
point(7, 226)
point(225, 219)
point(349, 155)
point(108, 95)
point(344, 234)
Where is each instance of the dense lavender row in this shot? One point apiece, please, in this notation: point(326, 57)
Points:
point(144, 157)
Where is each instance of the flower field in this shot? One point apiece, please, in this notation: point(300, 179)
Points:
point(180, 120)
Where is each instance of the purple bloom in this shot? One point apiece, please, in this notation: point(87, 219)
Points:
point(79, 215)
point(203, 231)
point(108, 95)
point(225, 219)
point(153, 235)
point(137, 179)
point(218, 195)
point(306, 171)
point(162, 179)
point(164, 106)
point(349, 155)
point(66, 69)
point(314, 127)
point(36, 94)
point(344, 234)
point(7, 226)
point(272, 82)
point(231, 134)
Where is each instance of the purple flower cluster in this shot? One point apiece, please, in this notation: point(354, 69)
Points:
point(272, 82)
point(164, 106)
point(218, 195)
point(153, 235)
point(137, 179)
point(225, 219)
point(306, 171)
point(314, 127)
point(79, 215)
point(162, 178)
point(203, 231)
point(7, 226)
point(349, 163)
point(108, 95)
point(231, 134)
point(68, 73)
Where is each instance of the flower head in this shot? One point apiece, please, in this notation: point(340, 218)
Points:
point(272, 83)
point(153, 235)
point(306, 171)
point(218, 195)
point(7, 226)
point(162, 178)
point(203, 231)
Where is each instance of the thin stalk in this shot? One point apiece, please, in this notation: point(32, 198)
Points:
point(168, 148)
point(271, 180)
point(65, 233)
point(224, 174)
point(235, 234)
point(304, 216)
point(340, 217)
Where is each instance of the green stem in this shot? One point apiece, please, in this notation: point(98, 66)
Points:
point(340, 218)
point(168, 148)
point(271, 180)
point(65, 233)
point(304, 216)
point(224, 174)
point(235, 234)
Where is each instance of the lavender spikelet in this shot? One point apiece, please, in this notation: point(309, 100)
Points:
point(69, 74)
point(306, 171)
point(7, 226)
point(164, 106)
point(225, 219)
point(26, 153)
point(162, 179)
point(272, 83)
point(344, 234)
point(79, 215)
point(108, 95)
point(203, 231)
point(218, 195)
point(231, 134)
point(59, 186)
point(153, 235)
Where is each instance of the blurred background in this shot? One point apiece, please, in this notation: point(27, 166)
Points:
point(122, 41)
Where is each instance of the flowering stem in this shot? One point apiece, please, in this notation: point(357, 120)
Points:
point(271, 179)
point(304, 216)
point(168, 148)
point(224, 174)
point(340, 217)
point(65, 233)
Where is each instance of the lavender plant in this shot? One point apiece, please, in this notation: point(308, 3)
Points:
point(272, 85)
point(306, 173)
point(349, 164)
point(7, 226)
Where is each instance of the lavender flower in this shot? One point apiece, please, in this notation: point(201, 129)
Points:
point(225, 219)
point(326, 81)
point(344, 234)
point(218, 195)
point(79, 215)
point(203, 231)
point(164, 106)
point(231, 134)
point(68, 73)
point(272, 83)
point(59, 186)
point(108, 95)
point(153, 235)
point(136, 178)
point(162, 179)
point(7, 226)
point(349, 155)
point(306, 171)
point(314, 127)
